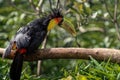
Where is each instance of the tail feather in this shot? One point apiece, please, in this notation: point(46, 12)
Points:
point(16, 67)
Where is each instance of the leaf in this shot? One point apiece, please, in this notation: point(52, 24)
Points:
point(80, 77)
point(96, 63)
point(67, 78)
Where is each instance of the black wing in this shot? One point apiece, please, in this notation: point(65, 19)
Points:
point(21, 40)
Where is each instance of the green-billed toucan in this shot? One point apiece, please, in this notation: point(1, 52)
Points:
point(29, 38)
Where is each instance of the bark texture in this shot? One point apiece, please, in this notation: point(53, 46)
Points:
point(73, 53)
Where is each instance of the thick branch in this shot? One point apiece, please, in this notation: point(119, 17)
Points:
point(73, 53)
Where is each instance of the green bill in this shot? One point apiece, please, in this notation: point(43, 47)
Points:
point(68, 26)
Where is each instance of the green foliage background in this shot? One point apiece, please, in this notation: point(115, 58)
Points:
point(94, 28)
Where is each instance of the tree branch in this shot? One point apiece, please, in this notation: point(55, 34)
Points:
point(19, 9)
point(32, 5)
point(106, 6)
point(115, 19)
point(101, 54)
point(39, 61)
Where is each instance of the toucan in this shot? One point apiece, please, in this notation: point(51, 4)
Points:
point(28, 39)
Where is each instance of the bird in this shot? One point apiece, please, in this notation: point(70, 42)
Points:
point(28, 39)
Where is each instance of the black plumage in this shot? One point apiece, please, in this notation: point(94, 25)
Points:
point(27, 40)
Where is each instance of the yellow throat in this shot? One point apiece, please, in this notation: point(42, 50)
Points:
point(53, 23)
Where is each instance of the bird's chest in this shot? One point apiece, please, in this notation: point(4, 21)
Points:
point(37, 33)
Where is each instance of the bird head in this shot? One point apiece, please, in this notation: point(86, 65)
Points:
point(56, 18)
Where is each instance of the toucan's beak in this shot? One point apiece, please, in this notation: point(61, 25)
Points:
point(68, 26)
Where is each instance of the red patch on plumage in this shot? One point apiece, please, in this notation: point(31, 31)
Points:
point(22, 51)
point(58, 20)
